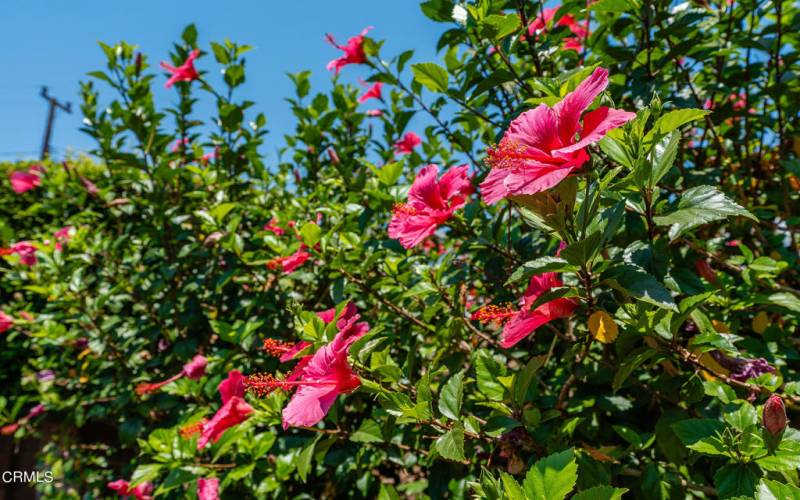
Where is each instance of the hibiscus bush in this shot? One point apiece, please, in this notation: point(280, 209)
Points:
point(559, 261)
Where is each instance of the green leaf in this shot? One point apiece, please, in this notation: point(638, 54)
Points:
point(663, 157)
point(632, 361)
point(431, 75)
point(311, 233)
point(450, 445)
point(583, 251)
point(773, 490)
point(541, 265)
point(701, 435)
point(368, 432)
point(785, 299)
point(552, 477)
point(497, 78)
point(487, 372)
point(700, 205)
point(635, 282)
point(619, 6)
point(744, 418)
point(145, 473)
point(511, 487)
point(451, 395)
point(615, 150)
point(735, 480)
point(389, 173)
point(600, 493)
point(497, 27)
point(672, 120)
point(304, 458)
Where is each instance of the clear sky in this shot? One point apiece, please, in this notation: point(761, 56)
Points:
point(54, 43)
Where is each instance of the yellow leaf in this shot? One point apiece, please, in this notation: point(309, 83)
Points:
point(602, 326)
point(720, 326)
point(760, 322)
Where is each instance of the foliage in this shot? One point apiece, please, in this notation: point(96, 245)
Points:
point(679, 263)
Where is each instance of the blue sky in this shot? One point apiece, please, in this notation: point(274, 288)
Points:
point(54, 43)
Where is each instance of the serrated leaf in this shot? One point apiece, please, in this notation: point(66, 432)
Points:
point(697, 206)
point(498, 27)
point(311, 233)
point(735, 480)
point(632, 280)
point(552, 477)
point(773, 490)
point(671, 120)
point(450, 445)
point(600, 493)
point(663, 157)
point(541, 265)
point(431, 76)
point(304, 458)
point(451, 395)
point(368, 432)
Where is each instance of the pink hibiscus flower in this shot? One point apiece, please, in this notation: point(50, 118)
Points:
point(540, 148)
point(183, 73)
point(431, 202)
point(521, 323)
point(353, 51)
point(374, 92)
point(234, 410)
point(25, 250)
point(290, 263)
point(208, 489)
point(320, 377)
point(62, 236)
point(6, 322)
point(273, 226)
point(22, 181)
point(407, 143)
point(123, 489)
point(540, 25)
point(194, 370)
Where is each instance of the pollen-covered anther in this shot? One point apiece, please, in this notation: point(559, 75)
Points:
point(494, 314)
point(505, 154)
point(263, 384)
point(189, 430)
point(404, 208)
point(276, 348)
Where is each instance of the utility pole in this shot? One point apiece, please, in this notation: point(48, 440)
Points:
point(51, 115)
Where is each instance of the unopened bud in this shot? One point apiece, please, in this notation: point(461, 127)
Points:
point(774, 415)
point(704, 270)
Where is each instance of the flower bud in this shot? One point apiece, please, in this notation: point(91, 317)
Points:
point(704, 270)
point(774, 415)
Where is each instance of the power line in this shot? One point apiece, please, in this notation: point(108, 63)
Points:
point(51, 115)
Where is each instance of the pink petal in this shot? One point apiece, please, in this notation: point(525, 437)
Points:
point(573, 105)
point(309, 405)
point(208, 489)
point(536, 128)
point(231, 386)
point(596, 124)
point(424, 192)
